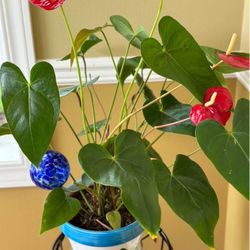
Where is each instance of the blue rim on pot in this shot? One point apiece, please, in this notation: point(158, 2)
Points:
point(102, 238)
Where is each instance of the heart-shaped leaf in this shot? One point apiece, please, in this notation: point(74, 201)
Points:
point(168, 111)
point(5, 129)
point(114, 219)
point(229, 151)
point(123, 27)
point(131, 169)
point(58, 209)
point(180, 58)
point(188, 193)
point(31, 109)
point(213, 58)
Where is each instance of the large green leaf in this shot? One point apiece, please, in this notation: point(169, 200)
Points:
point(58, 209)
point(168, 111)
point(188, 192)
point(229, 150)
point(123, 27)
point(213, 58)
point(31, 109)
point(180, 58)
point(131, 169)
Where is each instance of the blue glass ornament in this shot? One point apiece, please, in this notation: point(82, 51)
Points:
point(53, 171)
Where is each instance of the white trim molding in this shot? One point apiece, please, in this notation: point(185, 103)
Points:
point(16, 45)
point(103, 67)
point(244, 79)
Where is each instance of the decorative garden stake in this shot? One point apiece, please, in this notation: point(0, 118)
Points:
point(52, 172)
point(117, 196)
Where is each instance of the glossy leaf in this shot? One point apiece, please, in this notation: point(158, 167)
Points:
point(58, 209)
point(123, 27)
point(31, 109)
point(180, 58)
point(213, 58)
point(5, 129)
point(131, 169)
point(188, 192)
point(93, 127)
point(114, 219)
point(229, 151)
point(167, 111)
point(81, 37)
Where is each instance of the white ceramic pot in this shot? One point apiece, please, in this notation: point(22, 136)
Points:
point(125, 238)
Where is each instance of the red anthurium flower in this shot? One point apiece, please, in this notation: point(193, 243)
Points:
point(223, 101)
point(235, 60)
point(47, 4)
point(217, 106)
point(200, 113)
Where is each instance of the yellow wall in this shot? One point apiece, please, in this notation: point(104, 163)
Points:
point(212, 23)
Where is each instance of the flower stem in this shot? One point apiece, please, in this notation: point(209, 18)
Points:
point(82, 194)
point(166, 125)
point(117, 87)
point(155, 140)
point(71, 128)
point(141, 61)
point(84, 121)
point(143, 107)
point(91, 99)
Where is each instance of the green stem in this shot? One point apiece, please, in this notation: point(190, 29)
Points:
point(71, 128)
point(141, 90)
point(155, 140)
point(99, 101)
point(82, 194)
point(91, 99)
point(143, 107)
point(167, 125)
point(141, 61)
point(115, 66)
point(78, 71)
point(110, 112)
point(194, 152)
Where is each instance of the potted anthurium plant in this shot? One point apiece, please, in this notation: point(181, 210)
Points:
point(116, 199)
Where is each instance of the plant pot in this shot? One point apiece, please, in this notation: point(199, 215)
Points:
point(127, 237)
